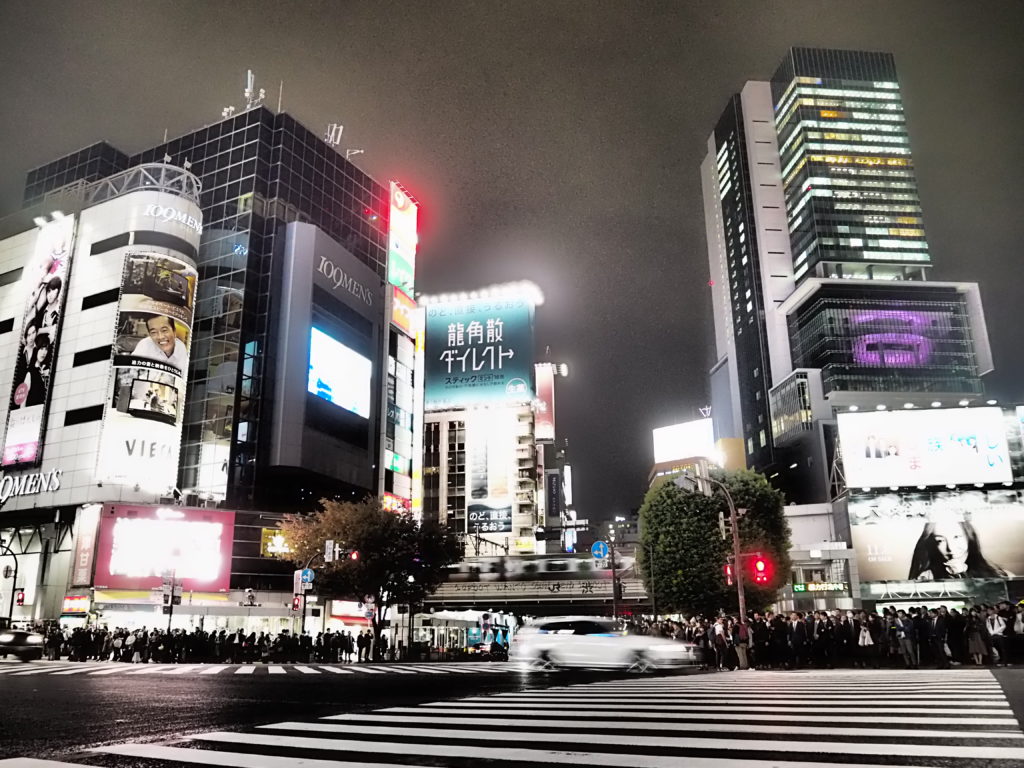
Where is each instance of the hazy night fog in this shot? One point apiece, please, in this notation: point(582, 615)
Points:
point(553, 141)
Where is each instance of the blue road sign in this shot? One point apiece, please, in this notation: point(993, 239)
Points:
point(599, 549)
point(307, 575)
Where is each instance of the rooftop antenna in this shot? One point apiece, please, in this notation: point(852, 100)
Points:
point(350, 153)
point(333, 134)
point(252, 97)
point(280, 96)
point(165, 135)
point(705, 411)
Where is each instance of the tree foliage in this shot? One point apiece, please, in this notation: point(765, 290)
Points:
point(679, 528)
point(399, 560)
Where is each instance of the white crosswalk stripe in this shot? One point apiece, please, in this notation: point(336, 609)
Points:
point(120, 668)
point(731, 720)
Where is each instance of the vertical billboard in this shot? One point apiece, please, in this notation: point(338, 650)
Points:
point(403, 214)
point(45, 278)
point(140, 437)
point(938, 447)
point(544, 418)
point(490, 445)
point(938, 535)
point(403, 311)
point(138, 545)
point(479, 352)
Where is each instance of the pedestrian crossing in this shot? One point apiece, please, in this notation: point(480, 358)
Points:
point(750, 719)
point(103, 669)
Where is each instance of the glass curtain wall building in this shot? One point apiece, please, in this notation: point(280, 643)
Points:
point(259, 172)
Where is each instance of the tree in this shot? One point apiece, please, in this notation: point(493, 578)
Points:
point(399, 560)
point(680, 530)
point(679, 527)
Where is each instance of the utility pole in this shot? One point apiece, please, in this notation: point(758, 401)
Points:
point(170, 598)
point(6, 550)
point(654, 593)
point(615, 580)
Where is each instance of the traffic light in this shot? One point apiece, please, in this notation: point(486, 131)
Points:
point(762, 570)
point(728, 574)
point(20, 597)
point(296, 603)
point(353, 555)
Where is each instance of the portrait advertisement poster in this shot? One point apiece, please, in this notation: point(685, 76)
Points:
point(938, 535)
point(489, 442)
point(956, 446)
point(479, 352)
point(45, 281)
point(140, 435)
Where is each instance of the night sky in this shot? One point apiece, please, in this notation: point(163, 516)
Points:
point(552, 141)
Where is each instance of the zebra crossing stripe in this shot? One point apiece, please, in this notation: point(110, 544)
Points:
point(477, 711)
point(31, 762)
point(306, 670)
point(477, 702)
point(108, 671)
point(182, 669)
point(274, 670)
point(245, 670)
point(38, 670)
point(337, 670)
point(72, 671)
point(213, 670)
point(829, 729)
point(428, 670)
point(974, 751)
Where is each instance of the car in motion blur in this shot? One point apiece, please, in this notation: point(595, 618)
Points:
point(21, 644)
point(591, 641)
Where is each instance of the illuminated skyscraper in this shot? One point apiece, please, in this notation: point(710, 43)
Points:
point(820, 267)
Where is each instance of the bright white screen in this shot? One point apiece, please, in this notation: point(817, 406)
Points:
point(338, 375)
point(910, 448)
point(691, 439)
point(143, 548)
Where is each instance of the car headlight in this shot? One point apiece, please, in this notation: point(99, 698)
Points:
point(6, 637)
point(36, 639)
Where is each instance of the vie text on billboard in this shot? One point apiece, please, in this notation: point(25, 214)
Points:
point(45, 278)
point(140, 438)
point(479, 351)
point(932, 448)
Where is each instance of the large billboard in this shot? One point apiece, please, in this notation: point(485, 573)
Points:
point(45, 278)
point(402, 239)
point(479, 352)
point(924, 447)
point(688, 440)
point(140, 439)
point(339, 375)
point(139, 545)
point(491, 462)
point(938, 535)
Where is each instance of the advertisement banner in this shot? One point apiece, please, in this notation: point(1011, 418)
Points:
point(938, 535)
point(45, 278)
point(402, 239)
point(138, 545)
point(140, 438)
point(544, 418)
point(938, 447)
point(689, 440)
point(403, 311)
point(490, 440)
point(479, 351)
point(86, 527)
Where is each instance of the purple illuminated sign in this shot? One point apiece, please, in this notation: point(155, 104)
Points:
point(898, 348)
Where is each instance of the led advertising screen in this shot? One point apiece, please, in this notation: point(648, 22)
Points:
point(490, 449)
point(45, 278)
point(138, 545)
point(938, 535)
point(140, 437)
point(479, 352)
point(402, 239)
point(338, 375)
point(936, 447)
point(403, 311)
point(688, 440)
point(544, 417)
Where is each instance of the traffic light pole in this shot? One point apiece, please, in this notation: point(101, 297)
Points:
point(6, 550)
point(170, 607)
point(615, 581)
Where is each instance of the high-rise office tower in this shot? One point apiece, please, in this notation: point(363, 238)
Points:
point(820, 267)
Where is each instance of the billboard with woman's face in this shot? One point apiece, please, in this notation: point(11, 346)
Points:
point(938, 535)
point(45, 278)
point(140, 440)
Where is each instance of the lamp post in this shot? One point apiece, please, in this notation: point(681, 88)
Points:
point(735, 520)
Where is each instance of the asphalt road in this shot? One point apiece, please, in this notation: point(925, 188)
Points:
point(54, 711)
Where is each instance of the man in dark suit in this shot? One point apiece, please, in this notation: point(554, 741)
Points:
point(937, 635)
point(760, 642)
point(822, 640)
point(797, 639)
point(780, 641)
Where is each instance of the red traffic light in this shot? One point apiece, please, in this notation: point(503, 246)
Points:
point(353, 555)
point(762, 571)
point(20, 597)
point(728, 574)
point(296, 603)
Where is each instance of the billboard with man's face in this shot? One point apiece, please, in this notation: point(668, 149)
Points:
point(479, 352)
point(141, 429)
point(45, 278)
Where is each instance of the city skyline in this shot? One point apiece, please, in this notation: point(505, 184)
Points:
point(602, 195)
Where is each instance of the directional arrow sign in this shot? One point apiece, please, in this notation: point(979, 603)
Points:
point(307, 575)
point(599, 550)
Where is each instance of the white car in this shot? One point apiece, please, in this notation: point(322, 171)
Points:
point(589, 641)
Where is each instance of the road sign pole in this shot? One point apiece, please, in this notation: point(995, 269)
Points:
point(615, 582)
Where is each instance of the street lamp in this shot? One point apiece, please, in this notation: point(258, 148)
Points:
point(735, 519)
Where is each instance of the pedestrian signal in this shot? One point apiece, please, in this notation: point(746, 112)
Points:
point(296, 603)
point(20, 598)
point(762, 571)
point(728, 574)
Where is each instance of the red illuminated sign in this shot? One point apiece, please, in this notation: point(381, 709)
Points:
point(139, 544)
point(544, 420)
point(75, 604)
point(402, 239)
point(402, 311)
point(393, 503)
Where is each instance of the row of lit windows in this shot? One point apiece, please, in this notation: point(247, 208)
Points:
point(886, 116)
point(817, 92)
point(828, 181)
point(835, 147)
point(833, 160)
point(858, 242)
point(845, 109)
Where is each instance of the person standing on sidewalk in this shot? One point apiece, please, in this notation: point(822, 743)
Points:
point(906, 634)
point(996, 626)
point(741, 641)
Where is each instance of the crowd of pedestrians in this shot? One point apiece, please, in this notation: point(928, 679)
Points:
point(982, 635)
point(144, 645)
